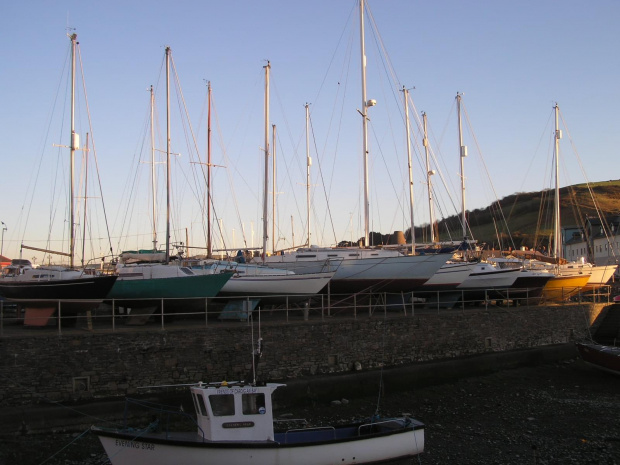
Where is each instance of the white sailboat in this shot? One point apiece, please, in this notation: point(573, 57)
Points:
point(363, 268)
point(268, 284)
point(46, 285)
point(465, 275)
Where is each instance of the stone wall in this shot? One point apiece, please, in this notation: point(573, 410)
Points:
point(83, 366)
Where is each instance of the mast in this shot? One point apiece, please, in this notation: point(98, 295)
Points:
point(73, 147)
point(167, 154)
point(266, 180)
point(153, 172)
point(429, 173)
point(209, 245)
point(557, 243)
point(273, 190)
point(365, 106)
point(406, 95)
point(463, 154)
point(308, 165)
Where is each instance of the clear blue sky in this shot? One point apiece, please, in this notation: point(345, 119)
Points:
point(511, 60)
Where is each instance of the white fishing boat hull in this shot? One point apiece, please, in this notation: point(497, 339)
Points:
point(139, 451)
point(234, 424)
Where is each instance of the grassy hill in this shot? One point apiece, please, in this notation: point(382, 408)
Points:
point(525, 218)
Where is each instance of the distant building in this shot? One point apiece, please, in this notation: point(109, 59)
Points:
point(597, 241)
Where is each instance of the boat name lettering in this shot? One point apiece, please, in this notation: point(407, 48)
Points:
point(246, 390)
point(238, 424)
point(134, 445)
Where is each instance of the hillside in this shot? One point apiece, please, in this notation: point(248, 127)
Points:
point(527, 217)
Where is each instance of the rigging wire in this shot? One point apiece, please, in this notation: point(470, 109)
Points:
point(92, 136)
point(604, 222)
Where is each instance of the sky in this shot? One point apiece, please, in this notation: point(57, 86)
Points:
point(510, 61)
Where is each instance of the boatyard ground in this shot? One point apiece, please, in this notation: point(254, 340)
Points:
point(555, 413)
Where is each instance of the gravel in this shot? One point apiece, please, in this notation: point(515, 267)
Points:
point(565, 413)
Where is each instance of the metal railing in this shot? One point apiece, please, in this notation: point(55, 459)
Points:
point(23, 318)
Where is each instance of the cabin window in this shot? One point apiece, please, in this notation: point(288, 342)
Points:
point(354, 255)
point(187, 271)
point(222, 405)
point(306, 256)
point(201, 404)
point(332, 254)
point(253, 404)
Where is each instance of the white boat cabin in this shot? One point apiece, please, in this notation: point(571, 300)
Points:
point(234, 411)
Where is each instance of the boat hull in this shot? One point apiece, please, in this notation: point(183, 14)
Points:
point(360, 270)
point(276, 287)
point(561, 288)
point(601, 276)
point(602, 357)
point(386, 274)
point(449, 276)
point(528, 288)
point(199, 286)
point(128, 449)
point(86, 288)
point(494, 279)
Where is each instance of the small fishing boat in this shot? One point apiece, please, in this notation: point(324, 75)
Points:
point(606, 358)
point(235, 425)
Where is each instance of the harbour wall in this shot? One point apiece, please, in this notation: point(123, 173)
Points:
point(81, 367)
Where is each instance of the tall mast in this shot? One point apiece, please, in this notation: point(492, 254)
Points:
point(429, 173)
point(463, 154)
point(308, 165)
point(73, 147)
point(153, 171)
point(364, 126)
point(273, 189)
point(557, 243)
point(406, 95)
point(266, 180)
point(167, 154)
point(209, 245)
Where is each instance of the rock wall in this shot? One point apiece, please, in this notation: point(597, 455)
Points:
point(80, 366)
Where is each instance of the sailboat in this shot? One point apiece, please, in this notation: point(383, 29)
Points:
point(45, 286)
point(562, 285)
point(267, 284)
point(159, 280)
point(363, 268)
point(472, 277)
